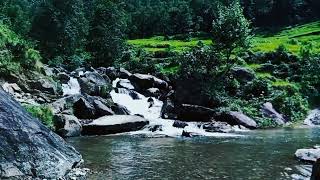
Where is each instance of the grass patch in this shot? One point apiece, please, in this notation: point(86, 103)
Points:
point(291, 37)
point(43, 113)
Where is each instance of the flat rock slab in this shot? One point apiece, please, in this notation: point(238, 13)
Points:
point(310, 155)
point(114, 124)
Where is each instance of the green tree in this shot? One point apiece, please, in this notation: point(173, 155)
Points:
point(60, 26)
point(230, 32)
point(106, 38)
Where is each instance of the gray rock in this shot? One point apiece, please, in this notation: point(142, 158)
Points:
point(120, 110)
point(196, 113)
point(67, 125)
point(168, 110)
point(214, 126)
point(145, 81)
point(309, 155)
point(124, 74)
point(152, 92)
point(83, 109)
point(44, 85)
point(313, 118)
point(102, 109)
point(28, 149)
point(268, 111)
point(65, 103)
point(237, 118)
point(112, 73)
point(125, 83)
point(94, 84)
point(114, 124)
point(63, 77)
point(179, 124)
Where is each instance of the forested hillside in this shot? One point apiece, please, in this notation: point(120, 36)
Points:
point(274, 43)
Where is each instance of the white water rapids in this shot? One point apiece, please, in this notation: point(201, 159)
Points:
point(141, 106)
point(71, 88)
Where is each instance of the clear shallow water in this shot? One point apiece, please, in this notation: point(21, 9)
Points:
point(263, 154)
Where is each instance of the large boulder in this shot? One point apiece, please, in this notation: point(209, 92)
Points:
point(67, 125)
point(64, 103)
point(237, 118)
point(93, 83)
point(309, 155)
point(268, 111)
point(28, 149)
point(114, 124)
point(313, 118)
point(44, 85)
point(102, 109)
point(83, 109)
point(125, 83)
point(189, 112)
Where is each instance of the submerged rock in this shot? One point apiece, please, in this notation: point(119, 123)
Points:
point(214, 126)
point(28, 149)
point(114, 124)
point(180, 124)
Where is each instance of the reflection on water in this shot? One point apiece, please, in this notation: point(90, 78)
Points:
point(267, 154)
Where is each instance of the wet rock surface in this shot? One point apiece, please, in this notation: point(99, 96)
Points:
point(28, 148)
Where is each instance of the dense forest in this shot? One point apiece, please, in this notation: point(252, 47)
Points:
point(205, 40)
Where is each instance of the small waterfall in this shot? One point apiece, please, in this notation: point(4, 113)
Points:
point(141, 106)
point(73, 87)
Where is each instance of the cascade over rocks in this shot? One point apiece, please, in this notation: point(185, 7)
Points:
point(313, 118)
point(28, 149)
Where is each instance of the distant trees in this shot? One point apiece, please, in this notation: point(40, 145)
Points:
point(230, 31)
point(60, 27)
point(106, 36)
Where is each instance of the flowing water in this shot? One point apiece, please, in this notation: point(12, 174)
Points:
point(265, 154)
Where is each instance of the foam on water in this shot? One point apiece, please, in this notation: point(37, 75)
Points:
point(141, 105)
point(71, 88)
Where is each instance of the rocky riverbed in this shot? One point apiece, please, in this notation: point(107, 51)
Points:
point(103, 101)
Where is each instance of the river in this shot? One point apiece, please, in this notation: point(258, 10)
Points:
point(262, 154)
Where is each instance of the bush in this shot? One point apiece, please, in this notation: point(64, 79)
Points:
point(43, 113)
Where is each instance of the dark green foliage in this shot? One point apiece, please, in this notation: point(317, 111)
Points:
point(106, 38)
point(60, 27)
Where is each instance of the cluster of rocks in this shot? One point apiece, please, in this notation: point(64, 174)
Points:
point(73, 112)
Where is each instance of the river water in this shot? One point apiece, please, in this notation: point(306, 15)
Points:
point(263, 154)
